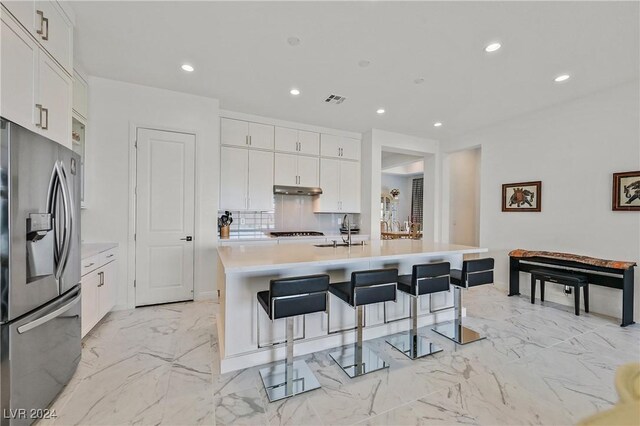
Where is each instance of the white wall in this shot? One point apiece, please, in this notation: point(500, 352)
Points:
point(376, 141)
point(573, 148)
point(116, 108)
point(464, 197)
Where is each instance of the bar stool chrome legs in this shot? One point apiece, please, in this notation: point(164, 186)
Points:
point(365, 288)
point(474, 273)
point(425, 279)
point(291, 378)
point(287, 298)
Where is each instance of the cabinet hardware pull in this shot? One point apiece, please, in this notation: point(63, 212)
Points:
point(41, 15)
point(46, 34)
point(39, 123)
point(246, 140)
point(46, 115)
point(89, 265)
point(101, 275)
point(109, 256)
point(249, 140)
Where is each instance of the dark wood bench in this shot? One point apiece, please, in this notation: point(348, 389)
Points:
point(564, 278)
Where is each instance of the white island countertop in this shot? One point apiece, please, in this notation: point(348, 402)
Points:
point(249, 258)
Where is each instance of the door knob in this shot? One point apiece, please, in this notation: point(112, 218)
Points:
point(187, 238)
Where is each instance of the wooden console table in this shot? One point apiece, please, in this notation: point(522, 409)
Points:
point(602, 272)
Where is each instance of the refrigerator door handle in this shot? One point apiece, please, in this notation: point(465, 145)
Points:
point(68, 219)
point(46, 318)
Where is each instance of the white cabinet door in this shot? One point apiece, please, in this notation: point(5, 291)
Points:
point(260, 195)
point(108, 291)
point(54, 94)
point(286, 169)
point(80, 95)
point(261, 136)
point(89, 285)
point(18, 64)
point(329, 146)
point(350, 186)
point(286, 139)
point(329, 201)
point(308, 171)
point(234, 132)
point(308, 143)
point(234, 171)
point(56, 33)
point(24, 12)
point(350, 149)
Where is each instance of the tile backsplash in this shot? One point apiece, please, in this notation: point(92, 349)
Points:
point(291, 213)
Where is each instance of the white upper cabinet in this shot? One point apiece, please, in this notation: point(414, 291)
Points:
point(244, 133)
point(18, 67)
point(46, 21)
point(234, 175)
point(340, 183)
point(296, 170)
point(246, 179)
point(286, 169)
point(80, 95)
point(260, 193)
point(329, 201)
point(234, 132)
point(308, 171)
point(349, 187)
point(54, 32)
point(54, 114)
point(261, 136)
point(297, 141)
point(339, 147)
point(309, 143)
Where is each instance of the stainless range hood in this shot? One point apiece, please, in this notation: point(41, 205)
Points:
point(296, 190)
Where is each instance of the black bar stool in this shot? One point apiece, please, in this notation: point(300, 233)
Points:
point(287, 298)
point(474, 273)
point(426, 279)
point(365, 288)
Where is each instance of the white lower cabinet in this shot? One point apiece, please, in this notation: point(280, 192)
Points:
point(99, 285)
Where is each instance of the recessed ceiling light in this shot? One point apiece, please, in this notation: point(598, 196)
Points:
point(380, 111)
point(364, 63)
point(437, 124)
point(293, 41)
point(561, 78)
point(187, 67)
point(419, 80)
point(492, 47)
point(294, 92)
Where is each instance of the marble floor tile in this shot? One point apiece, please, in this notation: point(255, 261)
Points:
point(240, 408)
point(539, 364)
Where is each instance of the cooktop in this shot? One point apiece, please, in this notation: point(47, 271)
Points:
point(297, 234)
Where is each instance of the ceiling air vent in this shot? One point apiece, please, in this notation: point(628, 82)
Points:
point(335, 99)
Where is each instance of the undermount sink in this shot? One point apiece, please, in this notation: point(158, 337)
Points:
point(340, 244)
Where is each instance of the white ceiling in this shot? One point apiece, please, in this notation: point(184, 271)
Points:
point(241, 56)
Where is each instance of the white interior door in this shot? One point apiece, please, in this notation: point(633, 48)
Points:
point(165, 206)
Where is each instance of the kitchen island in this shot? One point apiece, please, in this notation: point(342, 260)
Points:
point(246, 335)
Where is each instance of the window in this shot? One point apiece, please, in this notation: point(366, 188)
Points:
point(416, 200)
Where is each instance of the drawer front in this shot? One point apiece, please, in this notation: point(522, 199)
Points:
point(91, 264)
point(109, 255)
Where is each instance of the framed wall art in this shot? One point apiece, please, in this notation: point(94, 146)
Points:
point(522, 197)
point(626, 191)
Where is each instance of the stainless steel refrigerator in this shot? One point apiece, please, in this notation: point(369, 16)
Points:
point(40, 288)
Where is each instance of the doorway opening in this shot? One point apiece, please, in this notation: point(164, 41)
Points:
point(401, 195)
